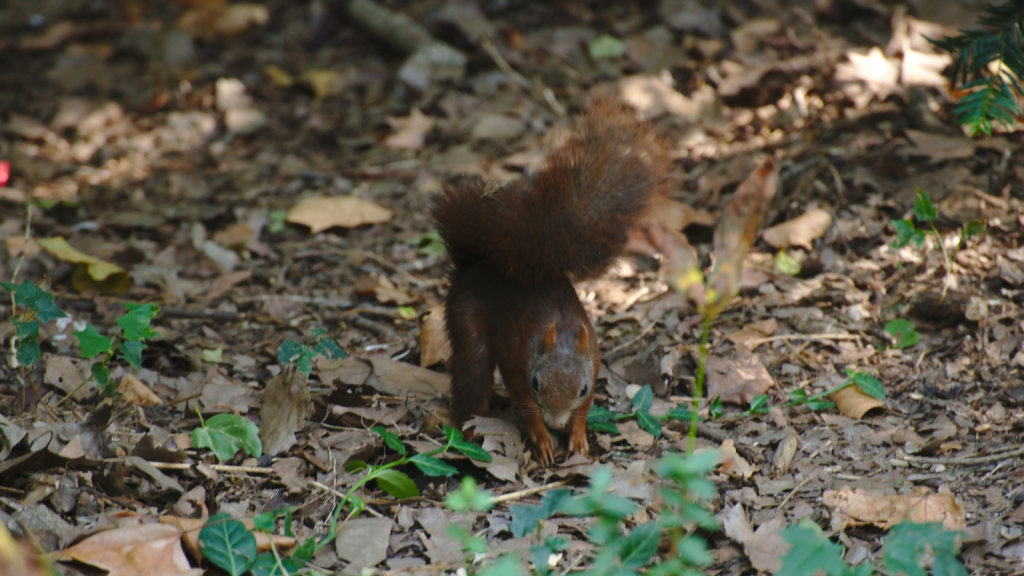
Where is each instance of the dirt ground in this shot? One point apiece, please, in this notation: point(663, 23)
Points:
point(176, 141)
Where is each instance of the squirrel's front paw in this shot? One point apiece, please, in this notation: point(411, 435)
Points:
point(543, 445)
point(578, 441)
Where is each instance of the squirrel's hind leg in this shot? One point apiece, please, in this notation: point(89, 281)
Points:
point(471, 365)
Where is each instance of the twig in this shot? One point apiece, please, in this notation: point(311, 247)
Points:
point(792, 493)
point(334, 492)
point(503, 65)
point(965, 460)
point(576, 562)
point(216, 467)
point(721, 436)
point(759, 341)
point(520, 494)
point(423, 568)
point(376, 328)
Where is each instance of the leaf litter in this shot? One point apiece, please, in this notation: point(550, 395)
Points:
point(246, 205)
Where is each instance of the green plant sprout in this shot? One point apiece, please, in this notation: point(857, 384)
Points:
point(299, 354)
point(926, 211)
point(38, 307)
point(903, 331)
point(602, 419)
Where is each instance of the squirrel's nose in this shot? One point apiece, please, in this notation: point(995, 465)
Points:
point(557, 420)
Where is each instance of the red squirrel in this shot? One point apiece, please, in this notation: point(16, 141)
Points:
point(518, 246)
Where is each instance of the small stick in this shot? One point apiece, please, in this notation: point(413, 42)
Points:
point(519, 495)
point(217, 467)
point(759, 341)
point(334, 492)
point(792, 493)
point(965, 460)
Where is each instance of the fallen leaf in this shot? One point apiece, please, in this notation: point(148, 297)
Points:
point(410, 131)
point(320, 213)
point(135, 392)
point(434, 344)
point(284, 407)
point(739, 379)
point(278, 76)
point(857, 507)
point(765, 547)
point(363, 542)
point(732, 463)
point(146, 550)
point(747, 36)
point(322, 82)
point(62, 373)
point(497, 127)
point(754, 331)
point(226, 282)
point(654, 95)
point(799, 231)
point(90, 272)
point(854, 403)
point(401, 378)
point(879, 74)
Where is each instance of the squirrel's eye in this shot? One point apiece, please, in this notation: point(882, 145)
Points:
point(535, 384)
point(583, 392)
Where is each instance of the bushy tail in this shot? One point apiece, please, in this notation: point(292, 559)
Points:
point(570, 218)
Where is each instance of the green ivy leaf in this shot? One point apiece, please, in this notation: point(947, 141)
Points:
point(266, 565)
point(474, 451)
point(132, 353)
point(903, 331)
point(228, 544)
point(397, 484)
point(452, 434)
point(606, 427)
point(297, 353)
point(27, 334)
point(101, 375)
point(432, 466)
point(640, 545)
point(869, 385)
point(599, 414)
point(759, 405)
point(92, 342)
point(469, 497)
point(504, 566)
point(924, 209)
point(680, 413)
point(786, 264)
point(225, 434)
point(467, 541)
point(797, 397)
point(906, 233)
point(391, 439)
point(811, 552)
point(715, 409)
point(526, 517)
point(429, 244)
point(135, 323)
point(265, 522)
point(304, 552)
point(36, 299)
point(330, 349)
point(973, 228)
point(907, 542)
point(648, 423)
point(643, 399)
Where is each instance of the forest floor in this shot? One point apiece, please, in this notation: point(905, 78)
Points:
point(174, 141)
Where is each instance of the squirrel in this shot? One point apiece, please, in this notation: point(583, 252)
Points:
point(518, 246)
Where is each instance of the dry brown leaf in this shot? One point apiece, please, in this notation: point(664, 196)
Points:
point(218, 18)
point(226, 282)
point(736, 233)
point(753, 331)
point(877, 73)
point(235, 236)
point(363, 542)
point(351, 372)
point(732, 463)
point(90, 273)
point(739, 379)
point(410, 131)
point(785, 452)
point(16, 245)
point(765, 547)
point(636, 436)
point(388, 293)
point(284, 408)
point(146, 550)
point(799, 231)
point(324, 83)
point(434, 344)
point(854, 403)
point(400, 378)
point(320, 213)
point(748, 35)
point(856, 507)
point(62, 373)
point(135, 392)
point(190, 528)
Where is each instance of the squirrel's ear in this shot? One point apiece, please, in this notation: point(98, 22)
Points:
point(549, 337)
point(583, 338)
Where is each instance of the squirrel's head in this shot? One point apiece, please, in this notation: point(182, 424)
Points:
point(562, 372)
